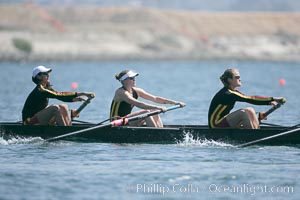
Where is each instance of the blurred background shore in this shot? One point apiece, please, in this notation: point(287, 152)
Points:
point(31, 31)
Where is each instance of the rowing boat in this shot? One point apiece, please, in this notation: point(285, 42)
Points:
point(114, 132)
point(167, 135)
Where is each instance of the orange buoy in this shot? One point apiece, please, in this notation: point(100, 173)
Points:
point(281, 82)
point(74, 85)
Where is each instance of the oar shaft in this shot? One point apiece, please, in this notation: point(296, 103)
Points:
point(271, 110)
point(75, 113)
point(124, 121)
point(82, 107)
point(263, 115)
point(267, 138)
point(76, 132)
point(118, 122)
point(156, 112)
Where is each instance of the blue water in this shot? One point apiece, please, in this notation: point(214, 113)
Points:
point(191, 169)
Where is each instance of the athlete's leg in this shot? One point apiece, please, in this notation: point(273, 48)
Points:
point(241, 119)
point(150, 121)
point(136, 122)
point(157, 121)
point(253, 117)
point(44, 116)
point(54, 114)
point(66, 117)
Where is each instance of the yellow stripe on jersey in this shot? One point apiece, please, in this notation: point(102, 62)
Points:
point(250, 97)
point(57, 93)
point(114, 110)
point(215, 117)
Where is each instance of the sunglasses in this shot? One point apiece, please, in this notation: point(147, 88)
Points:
point(132, 78)
point(44, 73)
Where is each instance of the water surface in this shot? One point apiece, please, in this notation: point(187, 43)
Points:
point(33, 169)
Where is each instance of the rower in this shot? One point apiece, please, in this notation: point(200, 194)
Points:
point(36, 109)
point(219, 115)
point(126, 97)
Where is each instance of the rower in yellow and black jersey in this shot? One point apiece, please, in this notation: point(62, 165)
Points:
point(36, 109)
point(126, 97)
point(219, 115)
point(121, 109)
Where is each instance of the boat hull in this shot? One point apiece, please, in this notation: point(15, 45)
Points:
point(167, 135)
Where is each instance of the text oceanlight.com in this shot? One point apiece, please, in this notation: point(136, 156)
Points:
point(212, 188)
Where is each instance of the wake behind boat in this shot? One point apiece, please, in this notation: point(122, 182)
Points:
point(169, 134)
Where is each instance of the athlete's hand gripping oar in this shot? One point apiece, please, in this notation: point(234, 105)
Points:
point(263, 115)
point(118, 122)
point(75, 113)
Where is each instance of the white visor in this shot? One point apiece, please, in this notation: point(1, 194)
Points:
point(40, 69)
point(128, 75)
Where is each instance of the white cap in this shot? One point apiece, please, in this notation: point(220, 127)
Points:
point(129, 74)
point(40, 69)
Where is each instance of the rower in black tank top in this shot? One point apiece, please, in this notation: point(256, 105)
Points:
point(121, 109)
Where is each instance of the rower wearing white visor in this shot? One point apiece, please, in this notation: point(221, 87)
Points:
point(126, 97)
point(37, 111)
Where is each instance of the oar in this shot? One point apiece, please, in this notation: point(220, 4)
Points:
point(75, 113)
point(118, 122)
point(108, 120)
point(268, 138)
point(263, 115)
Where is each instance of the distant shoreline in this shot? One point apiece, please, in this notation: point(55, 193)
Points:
point(32, 33)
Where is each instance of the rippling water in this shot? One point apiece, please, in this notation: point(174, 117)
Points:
point(33, 169)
